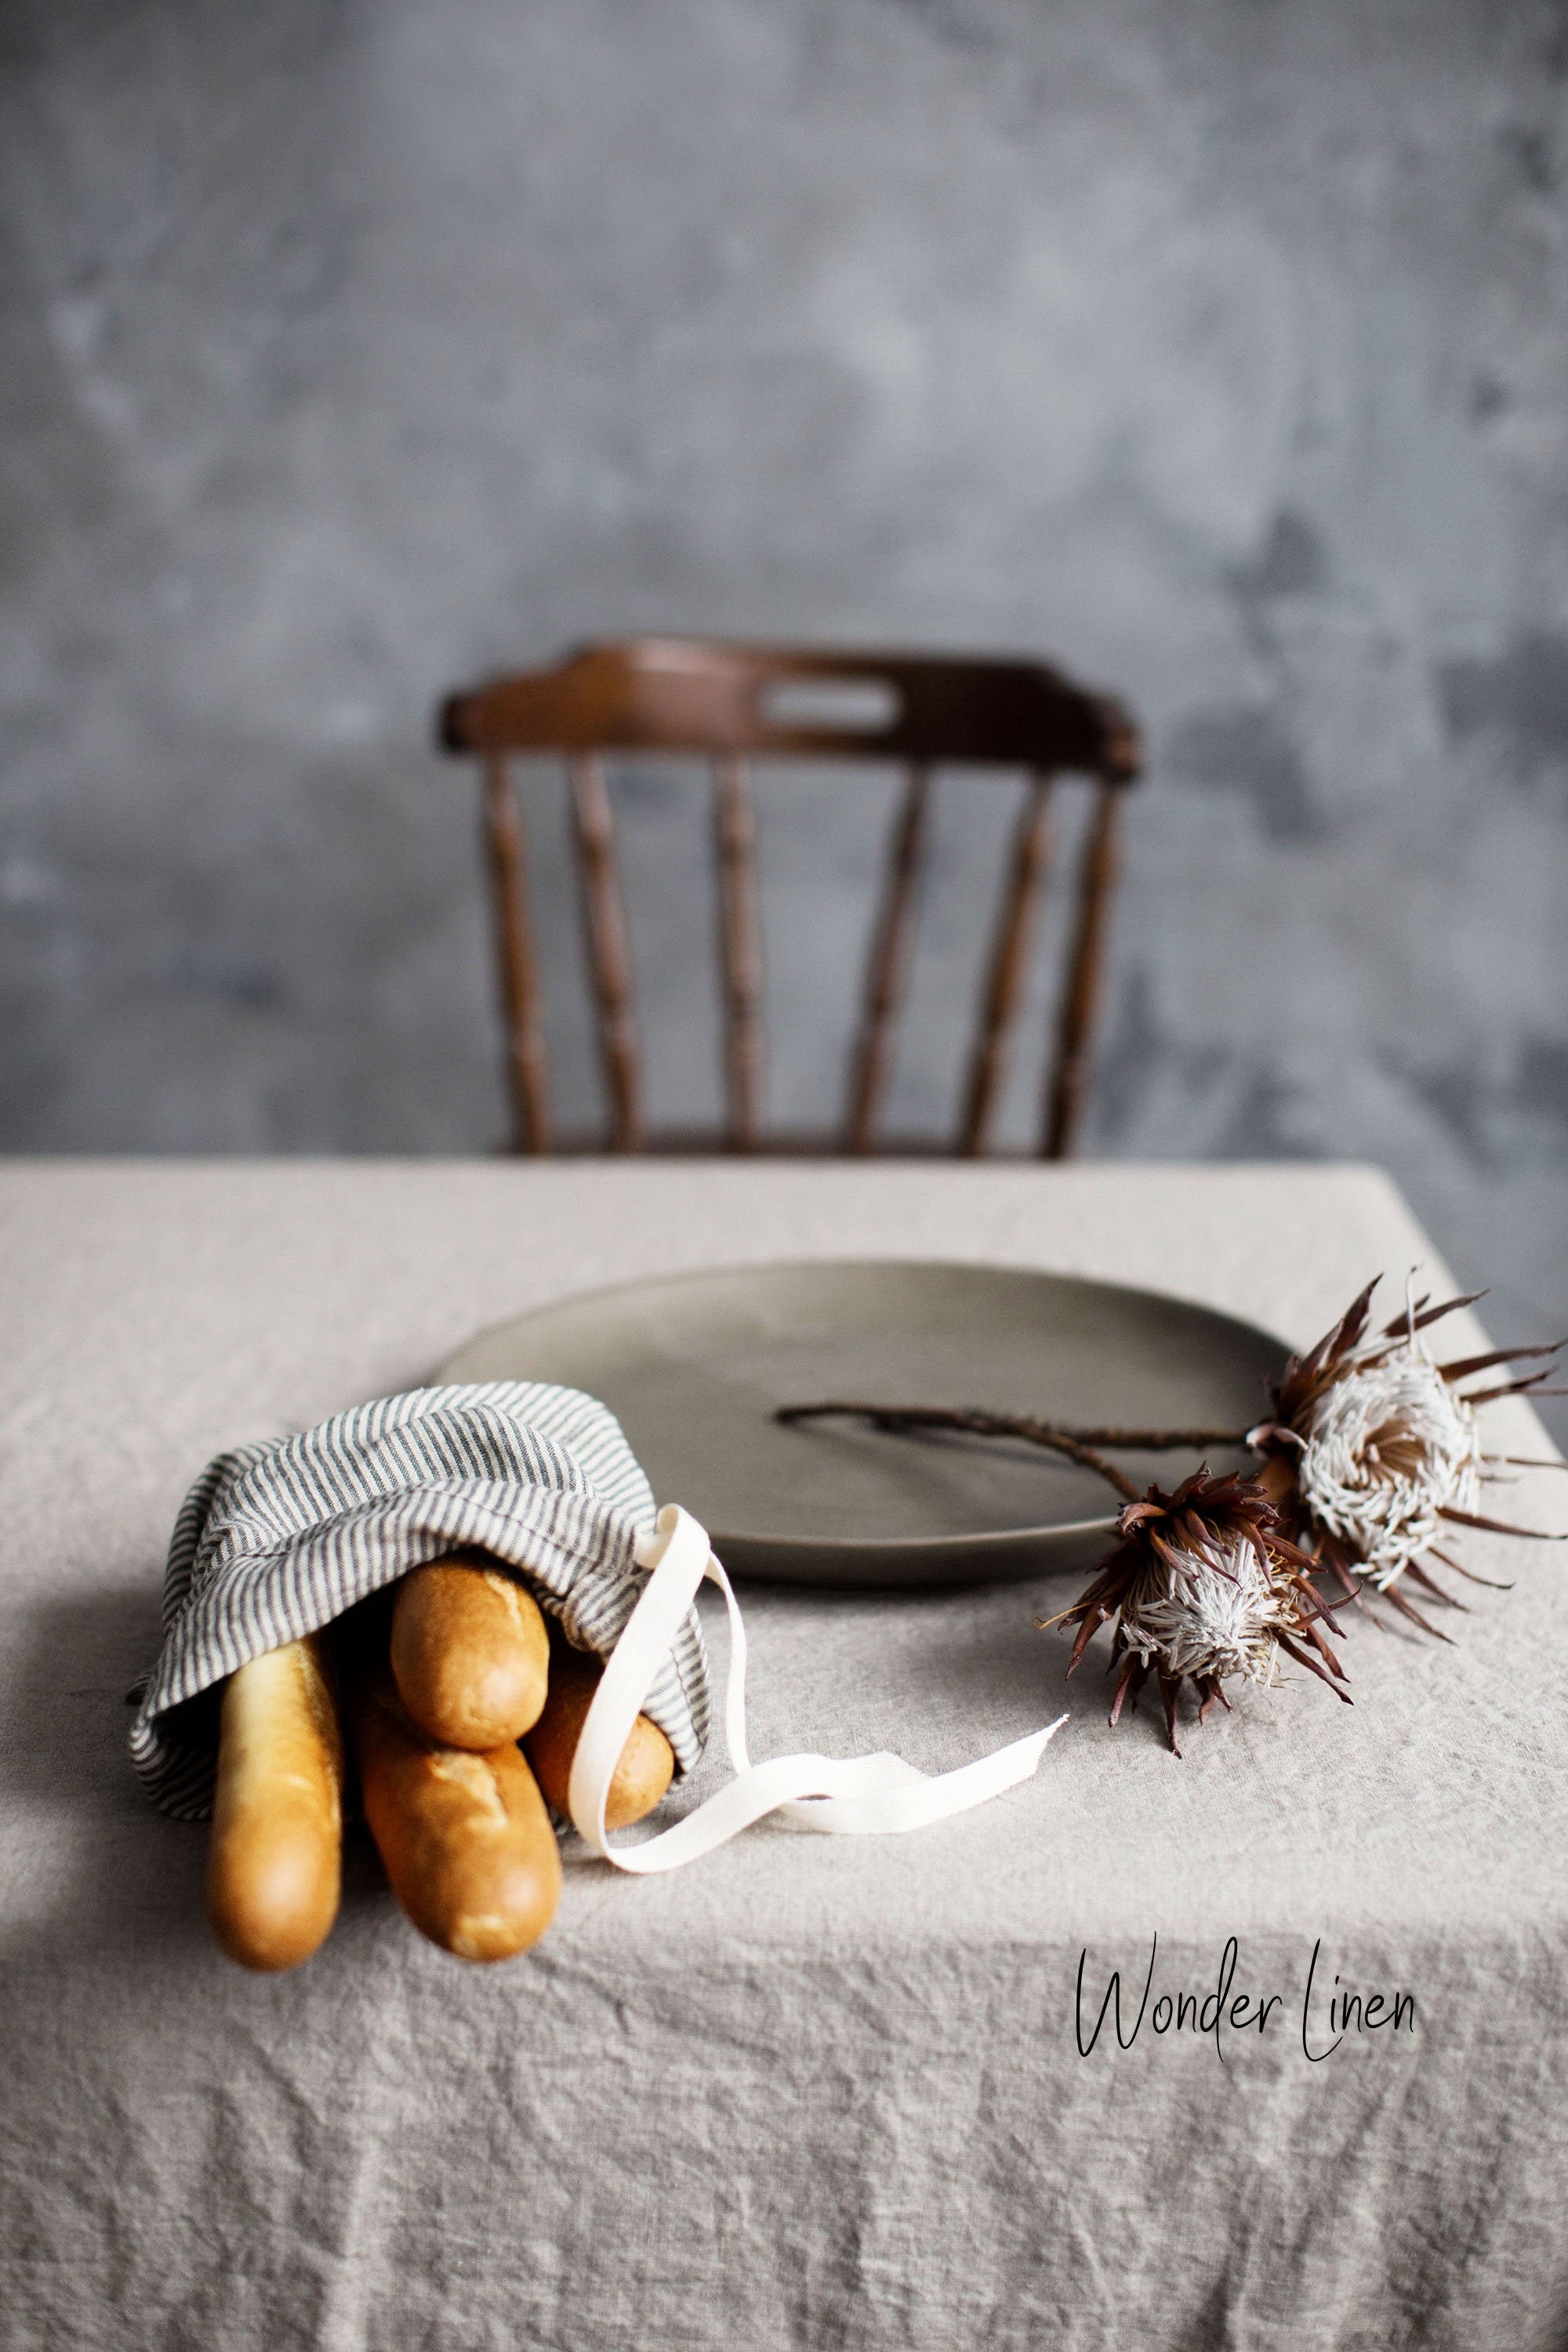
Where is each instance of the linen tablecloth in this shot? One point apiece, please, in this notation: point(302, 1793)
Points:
point(811, 2092)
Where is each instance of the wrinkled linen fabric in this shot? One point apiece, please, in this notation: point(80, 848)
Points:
point(277, 1539)
point(811, 2095)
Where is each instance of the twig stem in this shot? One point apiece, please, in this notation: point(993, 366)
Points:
point(1078, 1444)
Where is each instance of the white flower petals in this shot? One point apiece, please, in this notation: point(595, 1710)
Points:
point(1219, 1615)
point(1389, 1447)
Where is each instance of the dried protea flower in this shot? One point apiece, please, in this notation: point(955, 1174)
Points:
point(1377, 1450)
point(1204, 1586)
point(1386, 1447)
point(1372, 1452)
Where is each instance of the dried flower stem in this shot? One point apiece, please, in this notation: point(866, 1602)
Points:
point(1077, 1446)
point(1024, 1425)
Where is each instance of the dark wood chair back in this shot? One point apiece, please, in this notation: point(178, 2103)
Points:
point(729, 703)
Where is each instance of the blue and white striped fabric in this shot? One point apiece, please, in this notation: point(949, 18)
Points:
point(278, 1539)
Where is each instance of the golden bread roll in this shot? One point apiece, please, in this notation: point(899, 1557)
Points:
point(648, 1760)
point(275, 1864)
point(466, 1840)
point(470, 1652)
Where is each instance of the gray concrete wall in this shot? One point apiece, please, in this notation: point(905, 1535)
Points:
point(1221, 349)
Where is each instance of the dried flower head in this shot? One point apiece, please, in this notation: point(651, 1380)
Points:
point(1204, 1586)
point(1385, 1448)
point(1377, 1450)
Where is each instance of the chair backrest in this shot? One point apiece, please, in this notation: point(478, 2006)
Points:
point(726, 703)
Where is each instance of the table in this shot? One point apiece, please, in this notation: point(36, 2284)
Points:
point(812, 2092)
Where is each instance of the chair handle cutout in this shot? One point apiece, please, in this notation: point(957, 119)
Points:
point(835, 706)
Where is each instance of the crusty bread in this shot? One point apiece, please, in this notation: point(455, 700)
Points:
point(470, 1652)
point(648, 1760)
point(275, 1864)
point(465, 1837)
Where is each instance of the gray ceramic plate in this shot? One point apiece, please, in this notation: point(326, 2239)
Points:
point(692, 1366)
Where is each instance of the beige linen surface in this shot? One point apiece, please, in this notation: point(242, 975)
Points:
point(812, 2092)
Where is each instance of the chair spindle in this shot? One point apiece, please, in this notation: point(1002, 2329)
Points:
point(887, 970)
point(740, 951)
point(729, 704)
point(1086, 975)
point(609, 952)
point(528, 1064)
point(1027, 865)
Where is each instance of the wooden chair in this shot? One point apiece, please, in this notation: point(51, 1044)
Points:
point(725, 702)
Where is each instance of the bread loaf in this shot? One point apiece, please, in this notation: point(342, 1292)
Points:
point(275, 1864)
point(465, 1837)
point(470, 1655)
point(646, 1766)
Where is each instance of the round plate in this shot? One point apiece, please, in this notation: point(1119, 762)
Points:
point(693, 1365)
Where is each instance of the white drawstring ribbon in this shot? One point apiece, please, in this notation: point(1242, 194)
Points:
point(849, 1796)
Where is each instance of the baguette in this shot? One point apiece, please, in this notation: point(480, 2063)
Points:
point(275, 1862)
point(469, 1654)
point(646, 1765)
point(467, 1844)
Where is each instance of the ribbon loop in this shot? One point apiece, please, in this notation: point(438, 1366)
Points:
point(860, 1796)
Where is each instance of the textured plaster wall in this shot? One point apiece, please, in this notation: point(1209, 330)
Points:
point(349, 351)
